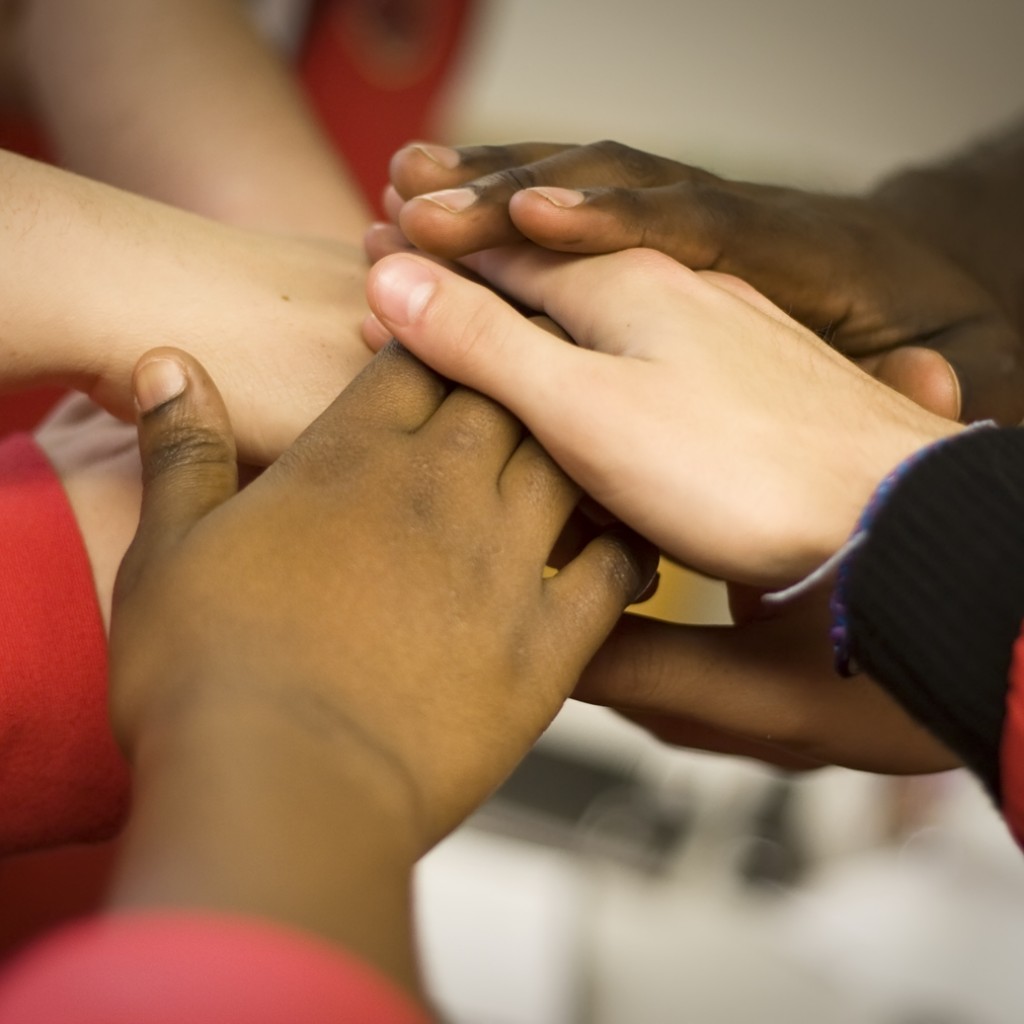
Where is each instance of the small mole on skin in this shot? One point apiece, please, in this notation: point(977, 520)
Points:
point(287, 298)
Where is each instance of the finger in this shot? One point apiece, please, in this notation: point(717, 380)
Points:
point(475, 215)
point(687, 219)
point(424, 167)
point(533, 482)
point(611, 303)
point(472, 434)
point(988, 361)
point(764, 682)
point(701, 221)
point(694, 735)
point(924, 376)
point(186, 445)
point(375, 334)
point(589, 594)
point(468, 333)
point(382, 240)
point(392, 203)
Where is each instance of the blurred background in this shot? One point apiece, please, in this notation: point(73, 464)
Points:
point(615, 880)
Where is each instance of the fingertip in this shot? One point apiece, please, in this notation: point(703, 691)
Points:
point(375, 334)
point(925, 377)
point(381, 239)
point(422, 155)
point(159, 377)
point(444, 156)
point(392, 203)
point(643, 559)
point(560, 198)
point(400, 287)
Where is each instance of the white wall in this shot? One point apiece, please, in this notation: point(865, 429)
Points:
point(805, 91)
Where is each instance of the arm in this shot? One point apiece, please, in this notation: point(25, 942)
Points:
point(915, 281)
point(182, 101)
point(276, 318)
point(294, 773)
point(970, 209)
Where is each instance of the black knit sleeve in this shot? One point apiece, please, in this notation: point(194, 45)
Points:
point(935, 594)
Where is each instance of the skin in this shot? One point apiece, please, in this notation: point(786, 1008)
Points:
point(276, 317)
point(144, 95)
point(278, 295)
point(294, 764)
point(887, 279)
point(674, 376)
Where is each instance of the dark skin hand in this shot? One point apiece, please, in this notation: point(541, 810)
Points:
point(846, 267)
point(318, 677)
point(764, 688)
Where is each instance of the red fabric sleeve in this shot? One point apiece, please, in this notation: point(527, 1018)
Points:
point(62, 777)
point(375, 74)
point(168, 968)
point(1011, 757)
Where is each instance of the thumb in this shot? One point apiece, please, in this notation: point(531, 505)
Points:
point(187, 449)
point(924, 376)
point(466, 332)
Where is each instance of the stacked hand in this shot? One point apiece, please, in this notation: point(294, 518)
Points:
point(380, 586)
point(842, 266)
point(712, 423)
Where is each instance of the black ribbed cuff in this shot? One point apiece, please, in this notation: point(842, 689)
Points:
point(935, 595)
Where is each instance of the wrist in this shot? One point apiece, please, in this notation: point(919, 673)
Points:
point(867, 461)
point(260, 805)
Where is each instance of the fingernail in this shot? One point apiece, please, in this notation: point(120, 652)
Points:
point(157, 382)
point(564, 198)
point(649, 589)
point(402, 287)
point(454, 200)
point(443, 156)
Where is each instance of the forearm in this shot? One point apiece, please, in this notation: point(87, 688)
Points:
point(246, 809)
point(181, 100)
point(95, 276)
point(972, 209)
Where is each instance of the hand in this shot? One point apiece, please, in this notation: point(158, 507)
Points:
point(765, 688)
point(691, 409)
point(97, 459)
point(842, 266)
point(379, 586)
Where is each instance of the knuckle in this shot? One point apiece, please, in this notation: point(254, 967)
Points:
point(511, 179)
point(184, 447)
point(488, 158)
point(634, 165)
point(648, 263)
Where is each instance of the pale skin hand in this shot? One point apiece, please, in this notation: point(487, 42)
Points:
point(705, 418)
point(872, 275)
point(101, 275)
point(675, 376)
point(303, 727)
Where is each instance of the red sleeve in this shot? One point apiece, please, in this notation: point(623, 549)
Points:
point(168, 968)
point(376, 72)
point(62, 777)
point(1011, 755)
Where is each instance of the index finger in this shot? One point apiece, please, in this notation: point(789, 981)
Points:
point(469, 214)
